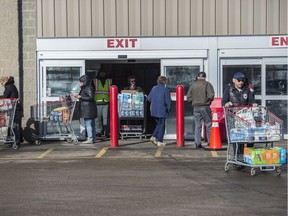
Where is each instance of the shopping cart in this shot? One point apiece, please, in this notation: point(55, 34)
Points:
point(7, 114)
point(132, 114)
point(249, 125)
point(54, 120)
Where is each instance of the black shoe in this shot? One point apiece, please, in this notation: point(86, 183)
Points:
point(198, 146)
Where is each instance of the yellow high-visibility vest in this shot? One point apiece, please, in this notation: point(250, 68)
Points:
point(102, 92)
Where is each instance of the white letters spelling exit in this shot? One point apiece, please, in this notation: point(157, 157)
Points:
point(123, 43)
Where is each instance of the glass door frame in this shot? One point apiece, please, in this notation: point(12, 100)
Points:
point(256, 61)
point(272, 61)
point(42, 75)
point(201, 62)
point(259, 61)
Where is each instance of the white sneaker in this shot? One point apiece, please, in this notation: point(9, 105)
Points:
point(161, 144)
point(88, 142)
point(153, 140)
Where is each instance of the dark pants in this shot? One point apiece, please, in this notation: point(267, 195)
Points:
point(17, 129)
point(202, 114)
point(160, 129)
point(241, 148)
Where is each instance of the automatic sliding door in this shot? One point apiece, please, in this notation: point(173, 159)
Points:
point(269, 79)
point(59, 78)
point(180, 72)
point(276, 88)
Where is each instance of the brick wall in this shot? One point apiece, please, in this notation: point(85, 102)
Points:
point(29, 55)
point(18, 48)
point(9, 40)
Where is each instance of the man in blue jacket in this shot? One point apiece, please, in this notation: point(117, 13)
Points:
point(160, 107)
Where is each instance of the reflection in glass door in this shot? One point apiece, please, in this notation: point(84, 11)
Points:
point(59, 78)
point(276, 73)
point(269, 79)
point(180, 72)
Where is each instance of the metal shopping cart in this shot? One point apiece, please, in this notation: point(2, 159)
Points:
point(7, 114)
point(132, 114)
point(249, 125)
point(54, 121)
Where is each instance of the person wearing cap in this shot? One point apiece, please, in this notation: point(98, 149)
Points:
point(102, 85)
point(160, 107)
point(201, 94)
point(238, 93)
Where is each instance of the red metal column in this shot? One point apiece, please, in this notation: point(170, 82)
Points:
point(114, 116)
point(180, 116)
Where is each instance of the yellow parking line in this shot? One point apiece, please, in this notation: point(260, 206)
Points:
point(214, 154)
point(159, 151)
point(45, 153)
point(102, 152)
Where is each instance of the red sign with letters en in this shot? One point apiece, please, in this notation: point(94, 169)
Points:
point(279, 41)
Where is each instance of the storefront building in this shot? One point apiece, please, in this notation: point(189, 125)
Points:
point(175, 38)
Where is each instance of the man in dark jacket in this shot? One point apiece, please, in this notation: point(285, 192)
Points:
point(88, 109)
point(238, 93)
point(160, 107)
point(201, 94)
point(132, 85)
point(12, 92)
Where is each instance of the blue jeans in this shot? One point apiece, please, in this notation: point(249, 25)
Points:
point(160, 129)
point(90, 128)
point(202, 114)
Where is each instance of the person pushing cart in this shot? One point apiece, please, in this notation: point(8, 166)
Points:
point(11, 112)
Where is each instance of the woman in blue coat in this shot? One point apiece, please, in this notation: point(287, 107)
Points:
point(160, 107)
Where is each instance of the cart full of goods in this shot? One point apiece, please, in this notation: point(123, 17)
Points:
point(257, 126)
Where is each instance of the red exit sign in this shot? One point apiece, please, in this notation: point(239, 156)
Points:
point(279, 41)
point(123, 43)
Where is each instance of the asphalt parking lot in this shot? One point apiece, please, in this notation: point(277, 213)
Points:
point(137, 178)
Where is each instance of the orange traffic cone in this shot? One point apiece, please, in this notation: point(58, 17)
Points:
point(215, 138)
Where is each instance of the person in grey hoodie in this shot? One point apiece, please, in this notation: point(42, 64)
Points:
point(201, 94)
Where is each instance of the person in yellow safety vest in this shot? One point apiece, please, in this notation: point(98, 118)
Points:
point(102, 98)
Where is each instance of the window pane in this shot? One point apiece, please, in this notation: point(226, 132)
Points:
point(181, 75)
point(188, 120)
point(276, 79)
point(279, 108)
point(62, 80)
point(252, 72)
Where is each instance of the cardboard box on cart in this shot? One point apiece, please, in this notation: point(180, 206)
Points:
point(262, 156)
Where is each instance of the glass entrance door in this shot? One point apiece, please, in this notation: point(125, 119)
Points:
point(59, 78)
point(180, 72)
point(269, 79)
point(275, 88)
